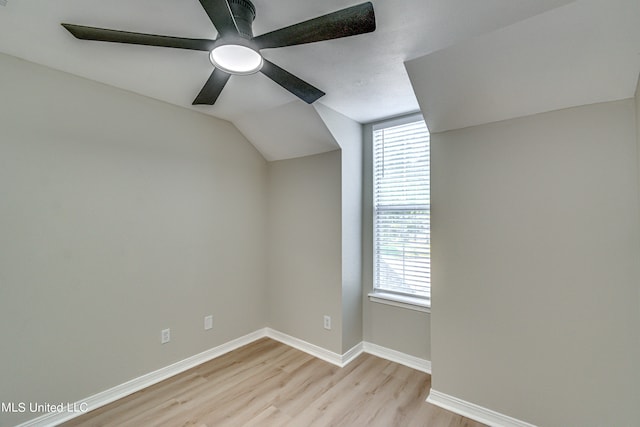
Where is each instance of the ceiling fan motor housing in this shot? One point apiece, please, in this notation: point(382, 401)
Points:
point(244, 12)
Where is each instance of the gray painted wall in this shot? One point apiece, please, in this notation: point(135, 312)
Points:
point(315, 259)
point(119, 216)
point(397, 328)
point(637, 105)
point(348, 134)
point(535, 266)
point(304, 248)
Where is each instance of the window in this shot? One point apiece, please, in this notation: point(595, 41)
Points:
point(401, 218)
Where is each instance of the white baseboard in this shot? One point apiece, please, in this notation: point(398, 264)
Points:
point(413, 362)
point(473, 411)
point(340, 360)
point(398, 357)
point(350, 355)
point(118, 392)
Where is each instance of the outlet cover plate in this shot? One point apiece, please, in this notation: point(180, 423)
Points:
point(165, 336)
point(208, 322)
point(327, 322)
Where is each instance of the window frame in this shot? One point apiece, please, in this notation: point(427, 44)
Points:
point(378, 295)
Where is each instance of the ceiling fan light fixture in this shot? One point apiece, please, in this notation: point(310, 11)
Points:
point(236, 59)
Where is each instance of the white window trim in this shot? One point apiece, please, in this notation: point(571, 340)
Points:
point(380, 296)
point(398, 121)
point(403, 301)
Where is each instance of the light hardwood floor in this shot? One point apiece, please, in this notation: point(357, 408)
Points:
point(267, 383)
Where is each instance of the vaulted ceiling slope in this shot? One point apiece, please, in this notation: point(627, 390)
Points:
point(583, 53)
point(364, 76)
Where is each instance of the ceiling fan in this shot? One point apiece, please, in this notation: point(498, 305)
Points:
point(237, 51)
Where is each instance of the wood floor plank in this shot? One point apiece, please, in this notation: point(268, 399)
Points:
point(272, 416)
point(267, 383)
point(346, 396)
point(307, 384)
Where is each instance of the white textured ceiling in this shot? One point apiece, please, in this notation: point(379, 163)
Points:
point(364, 76)
point(305, 133)
point(585, 52)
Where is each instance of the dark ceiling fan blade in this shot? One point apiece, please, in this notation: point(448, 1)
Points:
point(221, 16)
point(212, 88)
point(293, 84)
point(351, 21)
point(117, 36)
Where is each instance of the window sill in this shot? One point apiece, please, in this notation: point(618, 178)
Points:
point(417, 304)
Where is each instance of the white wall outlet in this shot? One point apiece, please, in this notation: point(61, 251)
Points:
point(327, 322)
point(208, 322)
point(165, 336)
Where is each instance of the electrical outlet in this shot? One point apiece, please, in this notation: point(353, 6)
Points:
point(208, 322)
point(327, 322)
point(165, 336)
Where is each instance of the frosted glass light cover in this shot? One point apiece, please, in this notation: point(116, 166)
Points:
point(236, 59)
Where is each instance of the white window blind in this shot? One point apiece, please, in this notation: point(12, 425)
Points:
point(402, 210)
